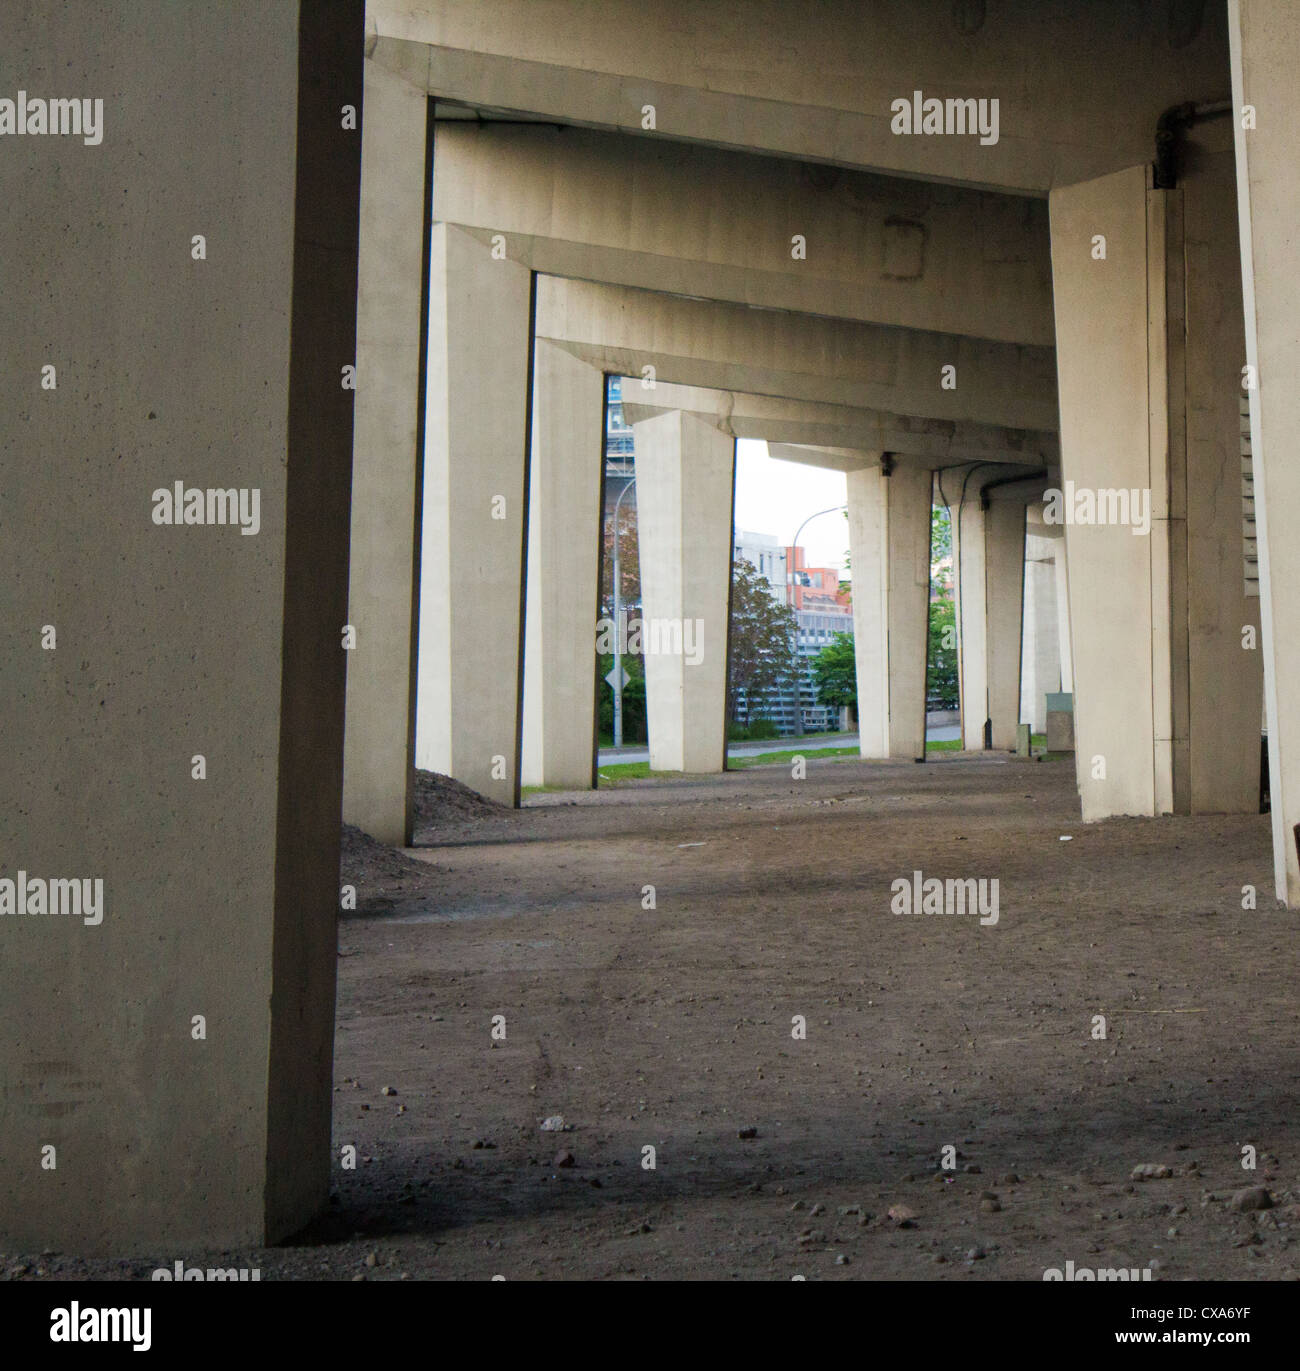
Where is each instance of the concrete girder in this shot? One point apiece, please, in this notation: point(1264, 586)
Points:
point(1080, 87)
point(838, 436)
point(800, 356)
point(873, 248)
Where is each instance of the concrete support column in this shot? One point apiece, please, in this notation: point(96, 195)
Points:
point(1165, 709)
point(475, 495)
point(1111, 363)
point(1265, 47)
point(564, 548)
point(386, 464)
point(173, 678)
point(989, 571)
point(1040, 653)
point(1063, 617)
point(889, 545)
point(1224, 680)
point(685, 480)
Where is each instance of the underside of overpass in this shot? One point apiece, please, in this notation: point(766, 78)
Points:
point(1032, 261)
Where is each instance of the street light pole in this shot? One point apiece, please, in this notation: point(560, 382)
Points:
point(789, 599)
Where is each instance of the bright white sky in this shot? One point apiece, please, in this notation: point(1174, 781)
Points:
point(775, 497)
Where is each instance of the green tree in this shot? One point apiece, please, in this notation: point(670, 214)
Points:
point(835, 673)
point(762, 649)
point(629, 562)
point(634, 725)
point(942, 687)
point(942, 684)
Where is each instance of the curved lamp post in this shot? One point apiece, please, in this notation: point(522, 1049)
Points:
point(789, 599)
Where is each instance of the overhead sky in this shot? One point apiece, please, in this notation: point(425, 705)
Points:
point(775, 497)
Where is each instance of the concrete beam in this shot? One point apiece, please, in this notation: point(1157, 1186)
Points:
point(800, 356)
point(1079, 91)
point(872, 248)
point(841, 436)
point(174, 690)
point(685, 481)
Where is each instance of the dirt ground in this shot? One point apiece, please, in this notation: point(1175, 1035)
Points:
point(671, 1028)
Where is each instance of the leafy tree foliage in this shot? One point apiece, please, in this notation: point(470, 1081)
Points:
point(835, 673)
point(763, 654)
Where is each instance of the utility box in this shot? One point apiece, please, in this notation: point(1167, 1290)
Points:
point(1060, 721)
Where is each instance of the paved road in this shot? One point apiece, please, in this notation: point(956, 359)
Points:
point(814, 742)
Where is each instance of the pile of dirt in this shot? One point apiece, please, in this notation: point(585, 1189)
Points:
point(440, 801)
point(382, 875)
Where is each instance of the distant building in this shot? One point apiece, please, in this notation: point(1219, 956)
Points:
point(821, 611)
point(816, 587)
point(619, 468)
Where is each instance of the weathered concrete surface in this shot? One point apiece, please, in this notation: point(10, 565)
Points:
point(988, 582)
point(840, 437)
point(220, 895)
point(1170, 425)
point(799, 356)
point(685, 482)
point(1224, 679)
point(889, 544)
point(1265, 57)
point(1040, 655)
point(475, 503)
point(1104, 355)
point(564, 551)
point(386, 463)
point(1080, 86)
point(872, 248)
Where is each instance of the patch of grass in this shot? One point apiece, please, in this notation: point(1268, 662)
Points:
point(640, 771)
point(625, 771)
point(944, 745)
point(785, 758)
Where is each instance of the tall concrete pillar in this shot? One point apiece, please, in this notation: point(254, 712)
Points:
point(1063, 617)
point(989, 570)
point(173, 679)
point(1110, 348)
point(564, 551)
point(1040, 654)
point(386, 462)
point(889, 546)
point(1265, 47)
point(1224, 680)
point(1165, 707)
point(685, 484)
point(475, 495)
